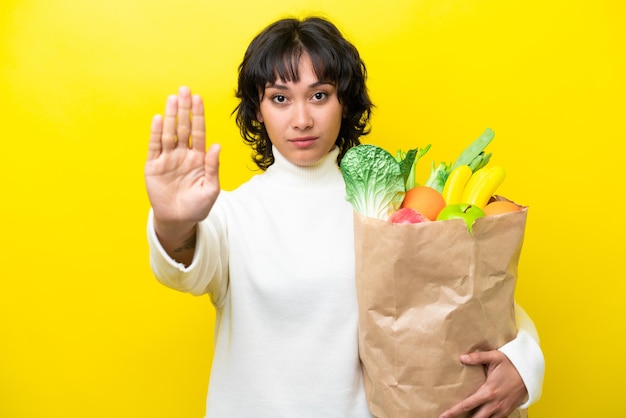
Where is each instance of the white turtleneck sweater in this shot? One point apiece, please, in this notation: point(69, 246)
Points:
point(276, 257)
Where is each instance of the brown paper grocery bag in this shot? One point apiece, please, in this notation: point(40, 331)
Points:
point(428, 293)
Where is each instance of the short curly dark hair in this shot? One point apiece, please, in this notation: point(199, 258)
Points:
point(275, 52)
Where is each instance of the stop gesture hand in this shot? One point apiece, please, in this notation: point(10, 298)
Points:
point(181, 177)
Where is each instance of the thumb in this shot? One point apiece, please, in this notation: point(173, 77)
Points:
point(212, 162)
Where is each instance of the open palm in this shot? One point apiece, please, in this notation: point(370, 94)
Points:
point(181, 177)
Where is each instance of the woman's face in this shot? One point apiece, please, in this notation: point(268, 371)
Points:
point(302, 119)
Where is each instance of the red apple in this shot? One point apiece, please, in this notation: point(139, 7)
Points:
point(407, 216)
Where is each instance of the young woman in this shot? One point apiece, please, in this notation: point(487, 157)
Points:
point(276, 255)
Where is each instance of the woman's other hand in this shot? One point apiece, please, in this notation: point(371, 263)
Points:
point(502, 392)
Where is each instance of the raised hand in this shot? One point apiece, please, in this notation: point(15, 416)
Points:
point(181, 177)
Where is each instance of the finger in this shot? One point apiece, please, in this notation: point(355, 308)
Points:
point(168, 136)
point(156, 129)
point(466, 405)
point(184, 112)
point(198, 129)
point(479, 357)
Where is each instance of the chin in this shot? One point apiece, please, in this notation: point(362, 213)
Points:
point(305, 159)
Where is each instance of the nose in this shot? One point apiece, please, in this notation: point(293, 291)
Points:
point(301, 118)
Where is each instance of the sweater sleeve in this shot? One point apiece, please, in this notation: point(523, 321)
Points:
point(526, 355)
point(208, 271)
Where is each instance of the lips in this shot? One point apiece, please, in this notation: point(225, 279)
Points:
point(303, 142)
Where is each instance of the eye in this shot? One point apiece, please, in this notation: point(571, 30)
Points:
point(279, 98)
point(319, 96)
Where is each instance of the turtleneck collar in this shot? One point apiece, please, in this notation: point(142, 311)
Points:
point(322, 175)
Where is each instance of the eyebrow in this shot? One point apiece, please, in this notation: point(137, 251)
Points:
point(284, 87)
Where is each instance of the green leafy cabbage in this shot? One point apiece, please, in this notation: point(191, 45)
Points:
point(375, 180)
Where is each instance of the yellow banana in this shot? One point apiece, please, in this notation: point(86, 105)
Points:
point(471, 183)
point(478, 192)
point(455, 184)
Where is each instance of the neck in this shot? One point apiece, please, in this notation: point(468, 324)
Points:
point(320, 175)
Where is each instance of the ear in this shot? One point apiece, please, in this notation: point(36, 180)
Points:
point(259, 116)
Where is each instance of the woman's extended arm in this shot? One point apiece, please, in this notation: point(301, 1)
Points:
point(181, 177)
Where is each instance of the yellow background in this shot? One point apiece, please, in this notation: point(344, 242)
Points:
point(85, 330)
